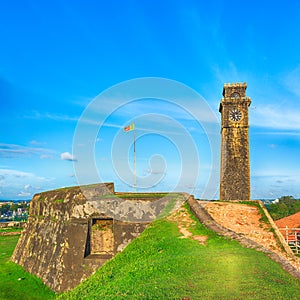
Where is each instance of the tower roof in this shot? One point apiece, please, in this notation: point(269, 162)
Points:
point(231, 87)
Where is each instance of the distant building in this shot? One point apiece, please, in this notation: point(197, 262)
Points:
point(290, 227)
point(292, 221)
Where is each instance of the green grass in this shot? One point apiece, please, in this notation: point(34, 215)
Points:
point(129, 196)
point(141, 195)
point(58, 201)
point(170, 205)
point(28, 287)
point(159, 265)
point(11, 230)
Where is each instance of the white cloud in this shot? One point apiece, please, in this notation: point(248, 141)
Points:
point(13, 151)
point(275, 183)
point(12, 176)
point(275, 117)
point(23, 194)
point(51, 116)
point(228, 74)
point(275, 172)
point(67, 156)
point(34, 142)
point(46, 156)
point(27, 187)
point(272, 146)
point(282, 113)
point(15, 173)
point(22, 184)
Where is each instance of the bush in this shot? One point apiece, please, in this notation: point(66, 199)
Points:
point(286, 206)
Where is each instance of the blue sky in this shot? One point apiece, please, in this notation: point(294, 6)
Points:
point(56, 57)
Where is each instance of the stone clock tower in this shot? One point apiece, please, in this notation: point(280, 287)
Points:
point(235, 161)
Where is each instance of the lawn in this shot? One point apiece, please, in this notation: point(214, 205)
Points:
point(15, 283)
point(161, 265)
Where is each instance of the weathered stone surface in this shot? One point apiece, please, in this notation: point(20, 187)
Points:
point(71, 232)
point(235, 157)
point(52, 245)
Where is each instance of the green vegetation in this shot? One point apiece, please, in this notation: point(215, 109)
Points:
point(58, 201)
point(14, 229)
point(129, 196)
point(160, 265)
point(15, 283)
point(286, 206)
point(13, 206)
point(14, 211)
point(170, 205)
point(101, 227)
point(141, 195)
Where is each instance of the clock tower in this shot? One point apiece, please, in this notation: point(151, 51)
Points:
point(235, 160)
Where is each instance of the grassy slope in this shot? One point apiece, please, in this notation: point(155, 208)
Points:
point(159, 265)
point(29, 287)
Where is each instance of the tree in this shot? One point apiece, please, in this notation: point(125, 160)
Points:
point(286, 206)
point(4, 209)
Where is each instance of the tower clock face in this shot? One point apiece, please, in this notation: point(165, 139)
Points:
point(235, 115)
point(235, 95)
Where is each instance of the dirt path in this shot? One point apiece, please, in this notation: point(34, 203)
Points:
point(245, 219)
point(183, 220)
point(10, 233)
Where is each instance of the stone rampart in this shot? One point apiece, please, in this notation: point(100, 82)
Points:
point(71, 232)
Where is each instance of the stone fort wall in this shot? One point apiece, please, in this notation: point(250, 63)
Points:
point(71, 232)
